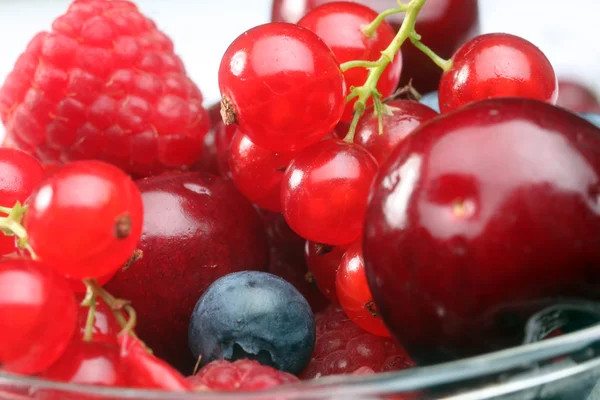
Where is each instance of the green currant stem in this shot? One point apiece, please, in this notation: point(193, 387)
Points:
point(8, 224)
point(358, 64)
point(5, 210)
point(369, 30)
point(88, 334)
point(444, 64)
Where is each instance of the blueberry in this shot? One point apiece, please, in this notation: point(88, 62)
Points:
point(431, 100)
point(592, 117)
point(253, 315)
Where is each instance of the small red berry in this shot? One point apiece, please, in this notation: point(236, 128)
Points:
point(497, 65)
point(93, 213)
point(39, 316)
point(323, 262)
point(282, 85)
point(241, 375)
point(104, 84)
point(325, 189)
point(105, 327)
point(223, 137)
point(340, 25)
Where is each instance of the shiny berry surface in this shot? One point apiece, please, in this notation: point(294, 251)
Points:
point(93, 213)
point(257, 172)
point(105, 328)
point(323, 262)
point(339, 24)
point(497, 65)
point(39, 316)
point(401, 118)
point(19, 176)
point(105, 84)
point(344, 348)
point(197, 228)
point(354, 294)
point(576, 97)
point(241, 375)
point(324, 191)
point(442, 221)
point(88, 363)
point(297, 79)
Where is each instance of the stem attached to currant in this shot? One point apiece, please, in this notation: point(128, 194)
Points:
point(376, 68)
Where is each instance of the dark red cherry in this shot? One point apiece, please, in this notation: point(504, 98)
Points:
point(576, 97)
point(400, 119)
point(497, 65)
point(477, 214)
point(197, 228)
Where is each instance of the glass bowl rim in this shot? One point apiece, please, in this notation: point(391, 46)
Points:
point(413, 379)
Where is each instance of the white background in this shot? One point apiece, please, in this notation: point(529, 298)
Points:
point(568, 31)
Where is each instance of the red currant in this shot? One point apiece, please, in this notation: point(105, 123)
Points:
point(105, 327)
point(282, 85)
point(257, 172)
point(143, 370)
point(354, 294)
point(38, 316)
point(497, 65)
point(79, 287)
point(93, 213)
point(340, 25)
point(88, 363)
point(401, 118)
point(323, 262)
point(325, 189)
point(223, 137)
point(19, 176)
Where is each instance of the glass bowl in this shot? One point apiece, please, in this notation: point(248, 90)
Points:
point(562, 368)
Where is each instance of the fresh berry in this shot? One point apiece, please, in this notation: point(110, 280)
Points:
point(105, 328)
point(577, 98)
point(296, 78)
point(325, 189)
point(340, 25)
point(79, 287)
point(208, 160)
point(497, 65)
point(143, 370)
point(431, 100)
point(399, 120)
point(93, 213)
point(253, 315)
point(323, 262)
point(241, 375)
point(88, 363)
point(257, 172)
point(20, 174)
point(197, 228)
point(450, 241)
point(592, 117)
point(344, 348)
point(223, 137)
point(39, 316)
point(354, 294)
point(104, 84)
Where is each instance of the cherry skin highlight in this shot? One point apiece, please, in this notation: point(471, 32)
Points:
point(282, 86)
point(38, 316)
point(497, 202)
point(497, 65)
point(324, 191)
point(354, 294)
point(340, 25)
point(257, 172)
point(401, 118)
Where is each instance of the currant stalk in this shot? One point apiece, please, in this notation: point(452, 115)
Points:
point(376, 68)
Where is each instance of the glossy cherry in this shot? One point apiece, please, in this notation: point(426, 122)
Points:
point(324, 191)
point(323, 262)
point(497, 65)
point(443, 24)
point(576, 97)
point(93, 213)
point(88, 363)
point(257, 172)
point(282, 85)
point(143, 370)
point(20, 174)
point(400, 119)
point(105, 328)
point(340, 25)
point(39, 316)
point(354, 294)
point(197, 228)
point(481, 213)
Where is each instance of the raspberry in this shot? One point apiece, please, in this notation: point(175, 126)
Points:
point(344, 348)
point(104, 84)
point(239, 376)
